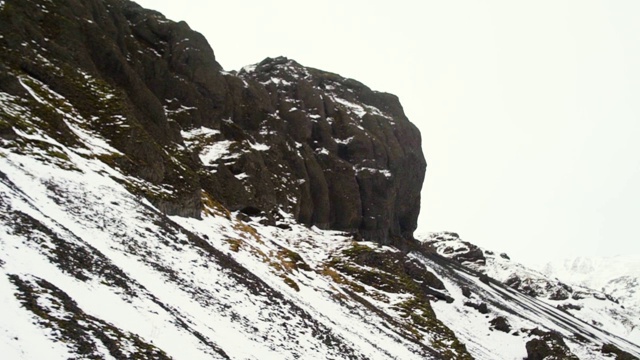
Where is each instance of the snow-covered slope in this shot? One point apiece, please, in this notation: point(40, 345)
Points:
point(92, 270)
point(89, 269)
point(600, 308)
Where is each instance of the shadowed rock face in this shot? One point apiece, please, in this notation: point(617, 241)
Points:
point(324, 148)
point(354, 155)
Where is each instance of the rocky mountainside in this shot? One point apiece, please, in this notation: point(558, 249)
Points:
point(155, 206)
point(327, 149)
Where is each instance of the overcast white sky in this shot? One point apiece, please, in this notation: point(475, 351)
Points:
point(529, 111)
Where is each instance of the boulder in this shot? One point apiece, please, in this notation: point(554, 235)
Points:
point(500, 323)
point(548, 345)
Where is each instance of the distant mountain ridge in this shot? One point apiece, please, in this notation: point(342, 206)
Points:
point(155, 206)
point(618, 276)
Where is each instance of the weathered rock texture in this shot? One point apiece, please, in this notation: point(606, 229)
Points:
point(324, 148)
point(548, 345)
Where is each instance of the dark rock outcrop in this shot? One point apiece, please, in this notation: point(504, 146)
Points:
point(467, 253)
point(569, 306)
point(619, 354)
point(539, 287)
point(500, 323)
point(481, 307)
point(322, 147)
point(548, 345)
point(348, 155)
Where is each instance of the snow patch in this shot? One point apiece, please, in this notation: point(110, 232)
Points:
point(219, 150)
point(260, 147)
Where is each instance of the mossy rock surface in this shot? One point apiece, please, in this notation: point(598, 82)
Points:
point(360, 266)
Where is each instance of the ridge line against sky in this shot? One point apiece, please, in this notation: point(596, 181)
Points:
point(529, 112)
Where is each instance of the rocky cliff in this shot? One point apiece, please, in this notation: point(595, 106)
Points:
point(282, 137)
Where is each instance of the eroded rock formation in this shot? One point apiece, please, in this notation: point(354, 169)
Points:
point(281, 136)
